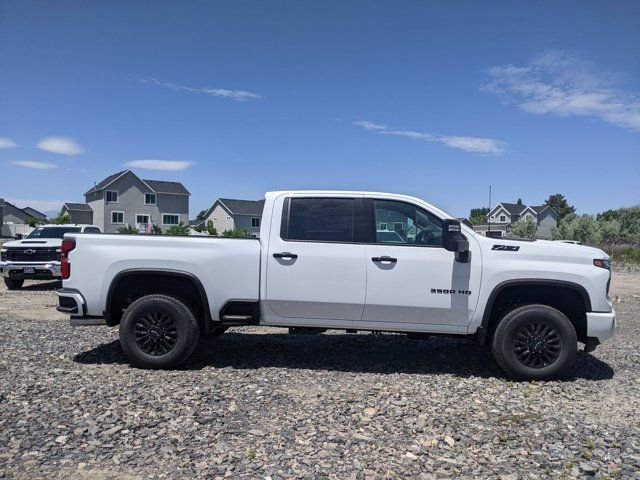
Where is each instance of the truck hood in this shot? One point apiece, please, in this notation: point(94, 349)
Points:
point(544, 250)
point(34, 243)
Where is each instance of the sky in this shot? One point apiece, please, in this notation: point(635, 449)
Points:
point(433, 99)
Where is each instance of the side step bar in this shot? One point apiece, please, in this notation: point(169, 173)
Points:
point(237, 319)
point(87, 321)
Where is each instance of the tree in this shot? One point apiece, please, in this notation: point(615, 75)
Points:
point(201, 214)
point(211, 229)
point(519, 202)
point(560, 204)
point(61, 219)
point(478, 215)
point(33, 222)
point(524, 229)
point(237, 233)
point(128, 229)
point(180, 229)
point(583, 228)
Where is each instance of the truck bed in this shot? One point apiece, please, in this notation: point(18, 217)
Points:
point(228, 268)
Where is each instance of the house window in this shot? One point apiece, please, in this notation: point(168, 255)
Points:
point(149, 198)
point(255, 222)
point(117, 217)
point(142, 220)
point(215, 219)
point(170, 219)
point(112, 196)
point(384, 226)
point(503, 218)
point(228, 217)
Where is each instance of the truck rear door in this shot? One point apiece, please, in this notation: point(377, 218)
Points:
point(316, 265)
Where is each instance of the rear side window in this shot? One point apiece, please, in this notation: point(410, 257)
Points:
point(91, 230)
point(321, 219)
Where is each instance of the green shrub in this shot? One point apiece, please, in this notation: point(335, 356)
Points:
point(128, 229)
point(236, 233)
point(180, 229)
point(211, 229)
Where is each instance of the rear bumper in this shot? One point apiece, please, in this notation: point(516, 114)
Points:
point(72, 303)
point(601, 325)
point(41, 270)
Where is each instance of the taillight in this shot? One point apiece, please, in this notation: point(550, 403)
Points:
point(65, 266)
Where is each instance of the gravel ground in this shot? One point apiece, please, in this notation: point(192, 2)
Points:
point(259, 403)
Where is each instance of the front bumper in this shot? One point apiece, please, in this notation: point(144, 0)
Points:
point(601, 325)
point(41, 270)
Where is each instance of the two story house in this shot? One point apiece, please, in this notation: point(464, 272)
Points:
point(125, 199)
point(229, 214)
point(503, 215)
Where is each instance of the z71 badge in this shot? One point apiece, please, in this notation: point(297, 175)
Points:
point(506, 248)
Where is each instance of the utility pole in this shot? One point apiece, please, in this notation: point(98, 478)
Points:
point(488, 219)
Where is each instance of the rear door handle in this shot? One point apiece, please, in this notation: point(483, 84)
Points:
point(384, 259)
point(285, 256)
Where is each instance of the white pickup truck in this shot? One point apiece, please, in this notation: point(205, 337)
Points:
point(344, 260)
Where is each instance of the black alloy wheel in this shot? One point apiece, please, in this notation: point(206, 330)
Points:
point(156, 333)
point(537, 344)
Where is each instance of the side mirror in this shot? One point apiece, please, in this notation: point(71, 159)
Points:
point(19, 236)
point(454, 241)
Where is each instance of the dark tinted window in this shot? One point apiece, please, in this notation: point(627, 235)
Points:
point(92, 230)
point(52, 232)
point(321, 219)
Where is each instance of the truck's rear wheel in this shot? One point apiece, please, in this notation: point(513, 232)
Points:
point(534, 342)
point(13, 283)
point(158, 331)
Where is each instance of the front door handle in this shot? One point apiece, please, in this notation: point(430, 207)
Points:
point(385, 259)
point(285, 256)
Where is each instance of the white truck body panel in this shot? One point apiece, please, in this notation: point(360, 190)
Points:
point(336, 285)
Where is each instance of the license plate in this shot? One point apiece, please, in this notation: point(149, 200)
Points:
point(28, 270)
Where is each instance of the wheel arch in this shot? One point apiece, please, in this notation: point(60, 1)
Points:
point(576, 296)
point(159, 276)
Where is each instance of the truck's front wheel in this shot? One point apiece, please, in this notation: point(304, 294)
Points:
point(534, 342)
point(158, 331)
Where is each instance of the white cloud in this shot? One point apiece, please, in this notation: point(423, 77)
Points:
point(485, 146)
point(36, 165)
point(7, 143)
point(61, 145)
point(237, 95)
point(562, 84)
point(171, 165)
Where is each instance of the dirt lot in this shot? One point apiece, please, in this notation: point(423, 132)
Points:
point(259, 403)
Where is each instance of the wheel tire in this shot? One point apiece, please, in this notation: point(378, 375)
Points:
point(13, 283)
point(216, 331)
point(158, 331)
point(534, 342)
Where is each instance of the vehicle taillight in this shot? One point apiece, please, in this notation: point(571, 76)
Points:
point(65, 266)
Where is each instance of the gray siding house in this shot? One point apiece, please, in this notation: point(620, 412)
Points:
point(125, 199)
point(504, 215)
point(229, 214)
point(12, 215)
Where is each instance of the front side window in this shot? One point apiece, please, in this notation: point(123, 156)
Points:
point(255, 222)
point(411, 224)
point(117, 217)
point(321, 219)
point(149, 198)
point(170, 219)
point(112, 196)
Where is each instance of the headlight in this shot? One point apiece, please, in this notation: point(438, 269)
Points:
point(602, 263)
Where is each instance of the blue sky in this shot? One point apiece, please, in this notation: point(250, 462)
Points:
point(434, 99)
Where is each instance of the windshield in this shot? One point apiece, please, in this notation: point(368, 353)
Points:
point(52, 232)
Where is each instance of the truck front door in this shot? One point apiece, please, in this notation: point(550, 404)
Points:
point(411, 279)
point(316, 267)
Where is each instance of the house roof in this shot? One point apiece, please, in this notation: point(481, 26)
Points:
point(542, 208)
point(196, 222)
point(11, 209)
point(156, 186)
point(162, 186)
point(99, 186)
point(78, 207)
point(514, 208)
point(242, 207)
point(32, 212)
